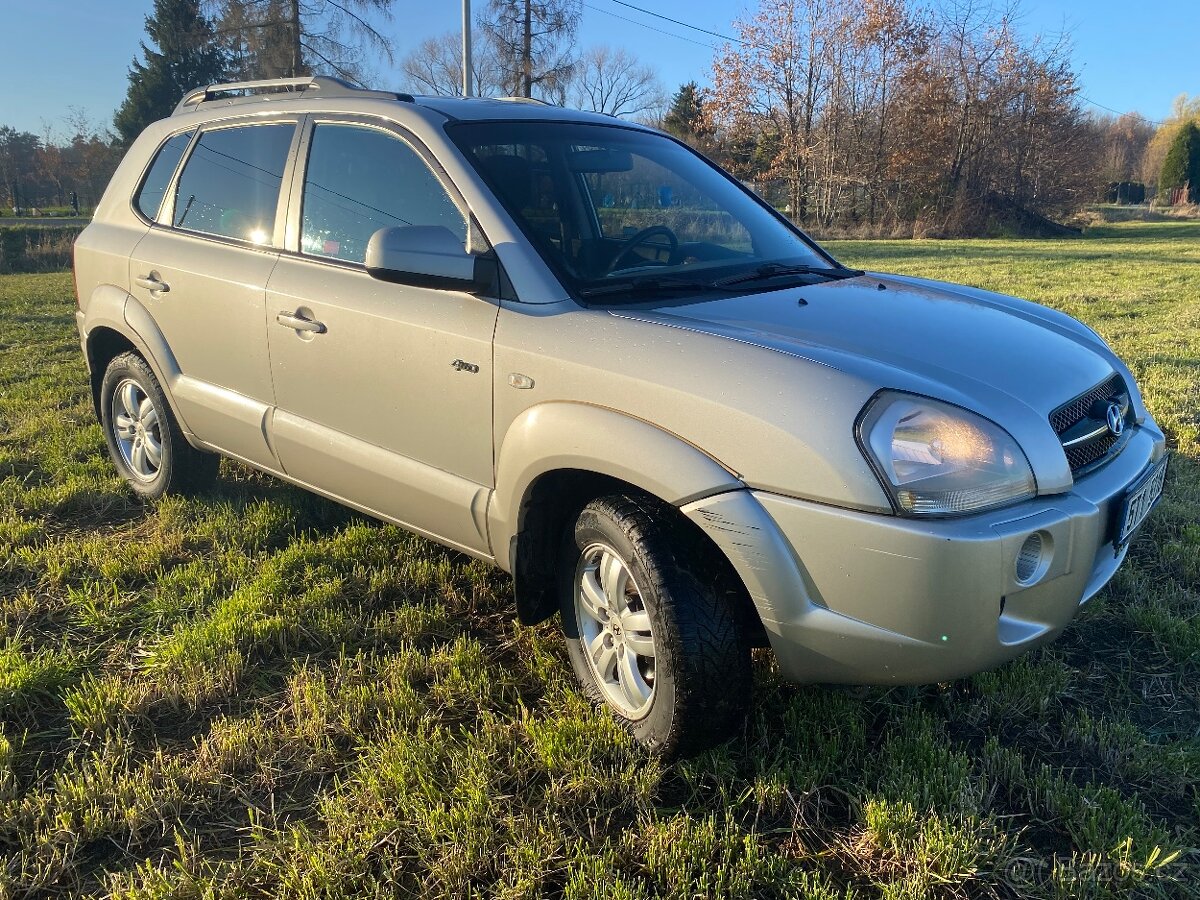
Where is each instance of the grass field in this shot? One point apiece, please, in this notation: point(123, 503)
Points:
point(257, 693)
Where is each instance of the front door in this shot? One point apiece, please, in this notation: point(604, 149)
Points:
point(371, 406)
point(201, 272)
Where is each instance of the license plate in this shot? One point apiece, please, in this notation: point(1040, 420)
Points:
point(1139, 500)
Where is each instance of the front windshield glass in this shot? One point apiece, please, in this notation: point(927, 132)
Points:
point(612, 208)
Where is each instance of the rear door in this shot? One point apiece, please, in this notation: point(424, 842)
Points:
point(201, 272)
point(371, 406)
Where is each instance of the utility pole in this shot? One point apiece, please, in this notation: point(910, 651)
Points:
point(527, 49)
point(466, 49)
point(297, 55)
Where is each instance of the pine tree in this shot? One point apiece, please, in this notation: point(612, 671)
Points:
point(187, 56)
point(1182, 166)
point(685, 117)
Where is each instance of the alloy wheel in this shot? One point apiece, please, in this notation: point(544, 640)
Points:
point(614, 628)
point(137, 428)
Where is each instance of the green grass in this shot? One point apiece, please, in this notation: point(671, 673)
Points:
point(258, 693)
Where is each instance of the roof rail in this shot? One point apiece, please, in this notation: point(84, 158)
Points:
point(280, 89)
point(533, 100)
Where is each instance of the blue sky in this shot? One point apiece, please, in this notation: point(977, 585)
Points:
point(60, 53)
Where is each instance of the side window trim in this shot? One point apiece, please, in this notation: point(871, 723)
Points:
point(170, 186)
point(290, 165)
point(291, 245)
point(166, 212)
point(295, 186)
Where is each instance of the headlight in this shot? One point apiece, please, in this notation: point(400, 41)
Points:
point(940, 460)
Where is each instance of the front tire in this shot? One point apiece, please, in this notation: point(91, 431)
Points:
point(648, 634)
point(144, 439)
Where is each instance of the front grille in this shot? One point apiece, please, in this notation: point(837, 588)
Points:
point(1073, 412)
point(1083, 455)
point(1081, 425)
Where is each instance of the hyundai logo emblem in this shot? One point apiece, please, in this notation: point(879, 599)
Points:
point(1116, 421)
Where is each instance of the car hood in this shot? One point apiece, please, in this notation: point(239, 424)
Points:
point(959, 343)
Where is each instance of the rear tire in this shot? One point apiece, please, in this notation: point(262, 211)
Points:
point(649, 636)
point(144, 439)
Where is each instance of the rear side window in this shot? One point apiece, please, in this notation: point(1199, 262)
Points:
point(361, 179)
point(230, 184)
point(150, 197)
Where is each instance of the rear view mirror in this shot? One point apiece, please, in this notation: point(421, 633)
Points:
point(427, 256)
point(585, 161)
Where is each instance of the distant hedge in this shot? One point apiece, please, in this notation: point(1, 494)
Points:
point(36, 248)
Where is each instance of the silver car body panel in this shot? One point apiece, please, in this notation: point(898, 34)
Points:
point(852, 597)
point(740, 411)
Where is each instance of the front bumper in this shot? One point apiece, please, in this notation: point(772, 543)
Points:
point(860, 598)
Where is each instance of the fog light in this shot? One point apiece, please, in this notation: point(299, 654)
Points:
point(1033, 559)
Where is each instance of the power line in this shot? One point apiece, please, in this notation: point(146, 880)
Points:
point(715, 34)
point(1146, 119)
point(651, 27)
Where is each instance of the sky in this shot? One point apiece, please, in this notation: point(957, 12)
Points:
point(59, 54)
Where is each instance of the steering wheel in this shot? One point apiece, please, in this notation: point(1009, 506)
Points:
point(640, 238)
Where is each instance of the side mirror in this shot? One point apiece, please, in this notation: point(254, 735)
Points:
point(427, 256)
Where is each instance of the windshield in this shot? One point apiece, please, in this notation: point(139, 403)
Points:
point(615, 210)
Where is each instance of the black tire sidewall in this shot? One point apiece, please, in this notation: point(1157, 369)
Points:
point(658, 726)
point(128, 366)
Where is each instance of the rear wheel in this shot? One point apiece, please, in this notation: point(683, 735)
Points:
point(144, 440)
point(648, 636)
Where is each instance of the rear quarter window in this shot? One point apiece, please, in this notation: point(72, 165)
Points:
point(154, 185)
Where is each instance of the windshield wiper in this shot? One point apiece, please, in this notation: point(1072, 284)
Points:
point(645, 286)
point(666, 285)
point(777, 270)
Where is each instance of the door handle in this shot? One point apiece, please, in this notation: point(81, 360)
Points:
point(152, 283)
point(299, 323)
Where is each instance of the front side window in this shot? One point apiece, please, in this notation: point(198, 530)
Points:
point(361, 179)
point(150, 197)
point(611, 208)
point(230, 184)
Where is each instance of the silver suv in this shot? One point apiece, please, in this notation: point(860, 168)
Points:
point(575, 348)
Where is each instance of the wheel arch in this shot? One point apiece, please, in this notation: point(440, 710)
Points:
point(555, 458)
point(104, 344)
point(115, 323)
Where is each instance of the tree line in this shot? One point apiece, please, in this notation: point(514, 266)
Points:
point(883, 115)
point(67, 174)
point(889, 113)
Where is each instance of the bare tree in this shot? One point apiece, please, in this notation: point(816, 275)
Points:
point(290, 38)
point(534, 41)
point(776, 82)
point(1124, 140)
point(888, 111)
point(435, 67)
point(613, 81)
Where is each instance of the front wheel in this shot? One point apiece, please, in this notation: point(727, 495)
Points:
point(648, 635)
